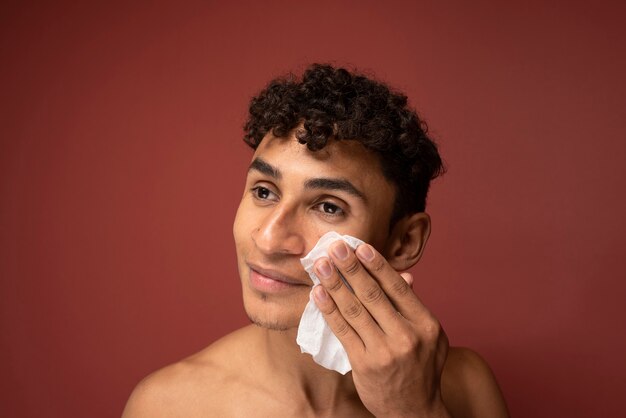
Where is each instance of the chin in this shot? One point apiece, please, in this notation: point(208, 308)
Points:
point(271, 314)
point(272, 326)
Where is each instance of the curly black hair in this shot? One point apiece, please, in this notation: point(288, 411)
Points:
point(334, 103)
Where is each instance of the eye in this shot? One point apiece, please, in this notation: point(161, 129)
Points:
point(263, 193)
point(330, 209)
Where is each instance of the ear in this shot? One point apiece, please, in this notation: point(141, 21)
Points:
point(407, 241)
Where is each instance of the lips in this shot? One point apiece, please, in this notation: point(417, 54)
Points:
point(270, 280)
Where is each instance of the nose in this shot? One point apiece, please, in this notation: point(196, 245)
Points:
point(280, 232)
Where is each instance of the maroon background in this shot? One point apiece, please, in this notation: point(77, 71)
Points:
point(121, 165)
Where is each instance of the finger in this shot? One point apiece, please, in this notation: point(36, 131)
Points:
point(366, 288)
point(347, 303)
point(393, 284)
point(337, 323)
point(408, 278)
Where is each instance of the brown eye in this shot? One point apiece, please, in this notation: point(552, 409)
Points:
point(330, 208)
point(262, 192)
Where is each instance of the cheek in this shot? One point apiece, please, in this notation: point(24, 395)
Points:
point(240, 226)
point(371, 232)
point(311, 229)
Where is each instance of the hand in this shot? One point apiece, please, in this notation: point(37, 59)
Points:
point(396, 347)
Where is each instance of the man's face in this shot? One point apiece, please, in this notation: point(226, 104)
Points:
point(292, 197)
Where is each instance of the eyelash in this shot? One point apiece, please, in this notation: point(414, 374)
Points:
point(338, 212)
point(256, 189)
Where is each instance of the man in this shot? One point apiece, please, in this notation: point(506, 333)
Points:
point(333, 151)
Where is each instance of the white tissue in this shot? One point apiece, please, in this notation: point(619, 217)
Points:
point(314, 335)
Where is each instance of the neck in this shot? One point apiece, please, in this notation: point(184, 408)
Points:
point(310, 383)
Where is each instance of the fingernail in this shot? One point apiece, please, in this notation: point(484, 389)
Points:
point(365, 252)
point(340, 251)
point(323, 268)
point(408, 278)
point(320, 294)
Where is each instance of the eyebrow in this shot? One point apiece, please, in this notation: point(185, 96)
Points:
point(334, 184)
point(321, 183)
point(266, 168)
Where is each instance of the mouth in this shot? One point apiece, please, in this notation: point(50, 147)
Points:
point(270, 280)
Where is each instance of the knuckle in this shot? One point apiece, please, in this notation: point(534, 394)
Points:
point(341, 328)
point(378, 265)
point(431, 329)
point(368, 367)
point(353, 268)
point(386, 359)
point(353, 310)
point(328, 310)
point(400, 287)
point(335, 285)
point(373, 294)
point(407, 341)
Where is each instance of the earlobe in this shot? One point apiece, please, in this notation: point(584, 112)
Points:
point(407, 241)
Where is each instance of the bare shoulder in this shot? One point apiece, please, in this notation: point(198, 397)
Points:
point(191, 387)
point(469, 387)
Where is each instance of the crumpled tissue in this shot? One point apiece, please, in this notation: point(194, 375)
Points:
point(314, 335)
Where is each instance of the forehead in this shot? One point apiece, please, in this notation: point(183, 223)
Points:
point(345, 159)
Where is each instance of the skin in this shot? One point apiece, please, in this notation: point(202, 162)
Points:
point(402, 364)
